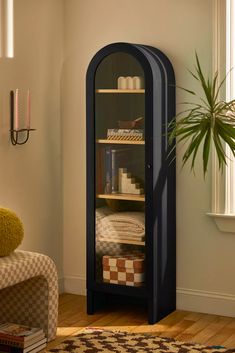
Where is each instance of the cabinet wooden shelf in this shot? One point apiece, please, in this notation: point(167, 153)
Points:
point(115, 90)
point(100, 287)
point(128, 242)
point(120, 142)
point(118, 169)
point(130, 197)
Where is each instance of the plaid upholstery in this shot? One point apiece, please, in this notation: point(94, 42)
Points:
point(125, 270)
point(29, 291)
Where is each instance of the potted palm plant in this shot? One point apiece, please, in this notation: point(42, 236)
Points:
point(209, 122)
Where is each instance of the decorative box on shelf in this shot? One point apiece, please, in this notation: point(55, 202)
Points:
point(125, 134)
point(128, 270)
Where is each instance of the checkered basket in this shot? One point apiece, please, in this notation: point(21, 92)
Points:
point(126, 270)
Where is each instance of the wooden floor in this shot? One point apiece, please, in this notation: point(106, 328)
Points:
point(181, 325)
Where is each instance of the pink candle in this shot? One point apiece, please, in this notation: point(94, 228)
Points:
point(16, 120)
point(28, 110)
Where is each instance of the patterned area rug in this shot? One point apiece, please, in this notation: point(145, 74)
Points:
point(100, 341)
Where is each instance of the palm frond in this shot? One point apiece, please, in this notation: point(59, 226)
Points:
point(206, 150)
point(211, 121)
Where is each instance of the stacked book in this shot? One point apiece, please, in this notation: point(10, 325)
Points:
point(15, 338)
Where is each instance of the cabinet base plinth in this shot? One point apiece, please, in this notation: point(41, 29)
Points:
point(99, 301)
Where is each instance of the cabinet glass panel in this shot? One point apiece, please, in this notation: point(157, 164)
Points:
point(120, 170)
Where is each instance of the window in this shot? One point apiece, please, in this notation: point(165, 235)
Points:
point(6, 29)
point(230, 94)
point(223, 185)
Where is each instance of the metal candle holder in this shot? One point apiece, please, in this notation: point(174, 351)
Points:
point(18, 136)
point(15, 136)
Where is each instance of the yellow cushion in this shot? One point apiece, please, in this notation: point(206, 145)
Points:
point(11, 231)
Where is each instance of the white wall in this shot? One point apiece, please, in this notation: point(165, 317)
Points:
point(205, 257)
point(30, 175)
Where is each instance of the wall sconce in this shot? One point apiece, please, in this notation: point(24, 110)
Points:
point(19, 136)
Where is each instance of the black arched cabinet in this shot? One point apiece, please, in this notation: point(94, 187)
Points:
point(130, 182)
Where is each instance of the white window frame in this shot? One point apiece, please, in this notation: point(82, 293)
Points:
point(223, 188)
point(230, 94)
point(6, 28)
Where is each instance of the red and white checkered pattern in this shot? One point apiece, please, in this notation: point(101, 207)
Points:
point(124, 269)
point(29, 291)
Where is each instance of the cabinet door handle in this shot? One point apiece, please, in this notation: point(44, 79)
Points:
point(149, 166)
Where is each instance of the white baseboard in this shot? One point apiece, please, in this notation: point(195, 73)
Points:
point(61, 285)
point(187, 299)
point(206, 302)
point(75, 285)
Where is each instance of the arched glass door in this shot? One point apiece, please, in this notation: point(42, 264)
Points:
point(120, 171)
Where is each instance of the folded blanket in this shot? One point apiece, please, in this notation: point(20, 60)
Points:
point(118, 238)
point(119, 225)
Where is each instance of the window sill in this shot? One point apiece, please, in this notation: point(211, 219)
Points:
point(224, 222)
